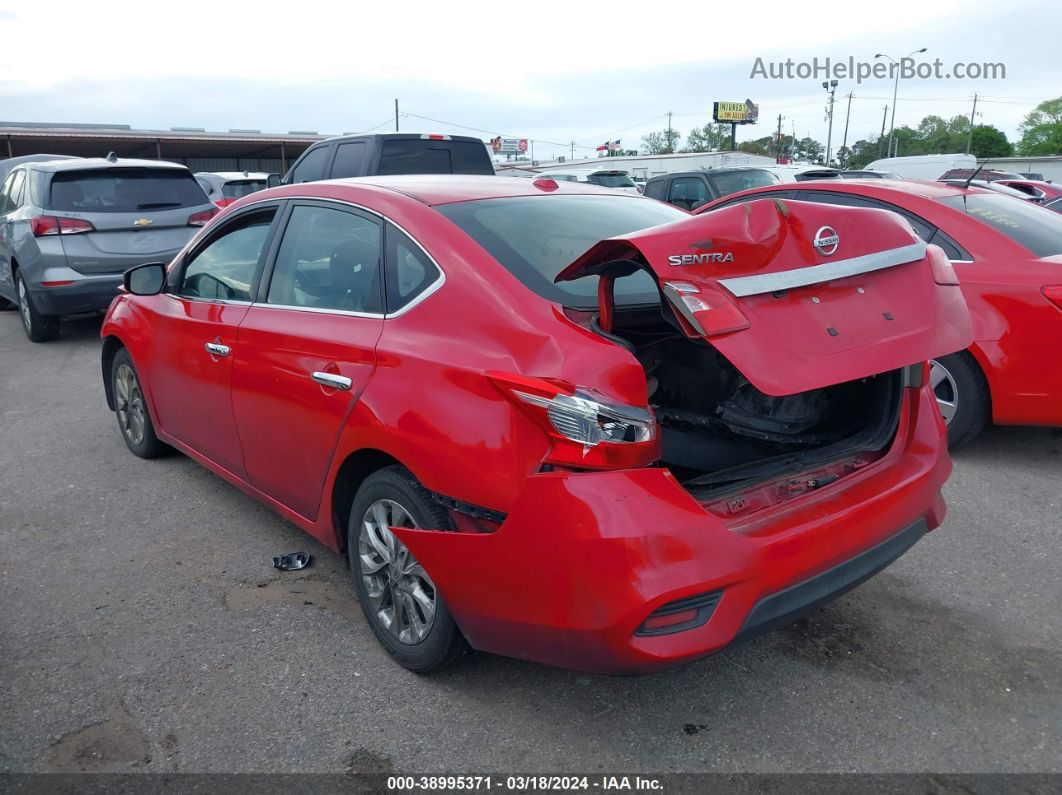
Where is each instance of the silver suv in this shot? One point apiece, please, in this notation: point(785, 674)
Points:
point(70, 228)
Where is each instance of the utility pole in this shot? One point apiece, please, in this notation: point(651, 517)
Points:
point(969, 135)
point(881, 138)
point(831, 88)
point(844, 143)
point(396, 115)
point(778, 156)
point(573, 150)
point(667, 143)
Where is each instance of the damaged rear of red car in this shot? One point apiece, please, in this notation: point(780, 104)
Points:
point(762, 441)
point(542, 432)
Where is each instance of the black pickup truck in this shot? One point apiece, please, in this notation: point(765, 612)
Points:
point(390, 153)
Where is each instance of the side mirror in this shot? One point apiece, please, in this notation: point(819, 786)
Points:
point(272, 180)
point(146, 279)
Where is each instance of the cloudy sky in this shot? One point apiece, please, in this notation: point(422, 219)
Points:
point(552, 71)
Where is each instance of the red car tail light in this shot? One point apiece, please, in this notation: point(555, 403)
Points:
point(680, 615)
point(1053, 293)
point(943, 271)
point(44, 225)
point(585, 431)
point(706, 309)
point(224, 202)
point(201, 219)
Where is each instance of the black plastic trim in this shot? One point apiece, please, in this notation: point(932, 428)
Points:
point(704, 604)
point(789, 604)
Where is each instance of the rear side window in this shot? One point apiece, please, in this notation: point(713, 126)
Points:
point(15, 188)
point(350, 160)
point(421, 156)
point(124, 190)
point(1033, 227)
point(225, 268)
point(409, 271)
point(654, 189)
point(328, 259)
point(737, 181)
point(311, 167)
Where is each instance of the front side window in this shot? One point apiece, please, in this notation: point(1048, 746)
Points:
point(535, 237)
point(328, 259)
point(311, 167)
point(224, 270)
point(689, 193)
point(124, 190)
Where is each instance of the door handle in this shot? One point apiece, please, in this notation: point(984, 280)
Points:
point(332, 380)
point(218, 349)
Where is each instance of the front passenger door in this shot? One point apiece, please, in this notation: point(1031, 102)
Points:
point(194, 336)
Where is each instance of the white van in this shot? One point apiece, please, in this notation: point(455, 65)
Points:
point(923, 166)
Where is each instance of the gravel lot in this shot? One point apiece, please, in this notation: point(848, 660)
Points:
point(143, 628)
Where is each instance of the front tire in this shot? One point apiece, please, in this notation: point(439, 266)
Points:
point(38, 327)
point(962, 395)
point(130, 407)
point(401, 604)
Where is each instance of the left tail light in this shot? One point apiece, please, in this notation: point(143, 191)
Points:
point(201, 219)
point(585, 430)
point(44, 225)
point(707, 310)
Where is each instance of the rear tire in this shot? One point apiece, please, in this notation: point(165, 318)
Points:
point(962, 393)
point(38, 327)
point(403, 608)
point(130, 407)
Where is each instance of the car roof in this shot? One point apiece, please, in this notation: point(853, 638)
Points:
point(397, 136)
point(233, 175)
point(437, 189)
point(925, 189)
point(697, 171)
point(96, 163)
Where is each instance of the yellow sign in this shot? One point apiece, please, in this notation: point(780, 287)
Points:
point(746, 112)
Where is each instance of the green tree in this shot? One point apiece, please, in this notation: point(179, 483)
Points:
point(987, 141)
point(664, 142)
point(761, 146)
point(1041, 131)
point(709, 138)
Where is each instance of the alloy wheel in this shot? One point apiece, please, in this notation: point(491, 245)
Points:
point(23, 306)
point(129, 402)
point(401, 594)
point(945, 389)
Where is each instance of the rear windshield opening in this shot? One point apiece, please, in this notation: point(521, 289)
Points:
point(237, 189)
point(124, 190)
point(1029, 225)
point(611, 180)
point(439, 157)
point(536, 237)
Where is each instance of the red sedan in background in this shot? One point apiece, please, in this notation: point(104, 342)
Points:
point(1008, 255)
point(1036, 188)
point(538, 431)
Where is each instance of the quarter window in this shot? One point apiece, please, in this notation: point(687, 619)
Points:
point(13, 199)
point(224, 270)
point(328, 259)
point(409, 271)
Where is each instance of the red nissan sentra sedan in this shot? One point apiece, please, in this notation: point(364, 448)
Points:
point(538, 431)
point(1008, 255)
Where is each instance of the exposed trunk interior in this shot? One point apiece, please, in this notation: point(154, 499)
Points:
point(720, 434)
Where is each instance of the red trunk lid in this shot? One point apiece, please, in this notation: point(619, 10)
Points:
point(804, 295)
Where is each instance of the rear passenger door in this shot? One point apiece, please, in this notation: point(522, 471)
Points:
point(307, 348)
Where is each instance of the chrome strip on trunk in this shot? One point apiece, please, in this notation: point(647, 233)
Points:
point(814, 274)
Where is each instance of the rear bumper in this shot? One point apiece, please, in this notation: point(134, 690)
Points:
point(583, 559)
point(86, 294)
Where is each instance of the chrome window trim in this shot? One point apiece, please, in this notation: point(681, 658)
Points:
point(426, 293)
point(198, 300)
point(742, 286)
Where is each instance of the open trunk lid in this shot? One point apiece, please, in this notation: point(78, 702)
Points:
point(804, 295)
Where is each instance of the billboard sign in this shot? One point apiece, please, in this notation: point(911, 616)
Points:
point(508, 146)
point(746, 112)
